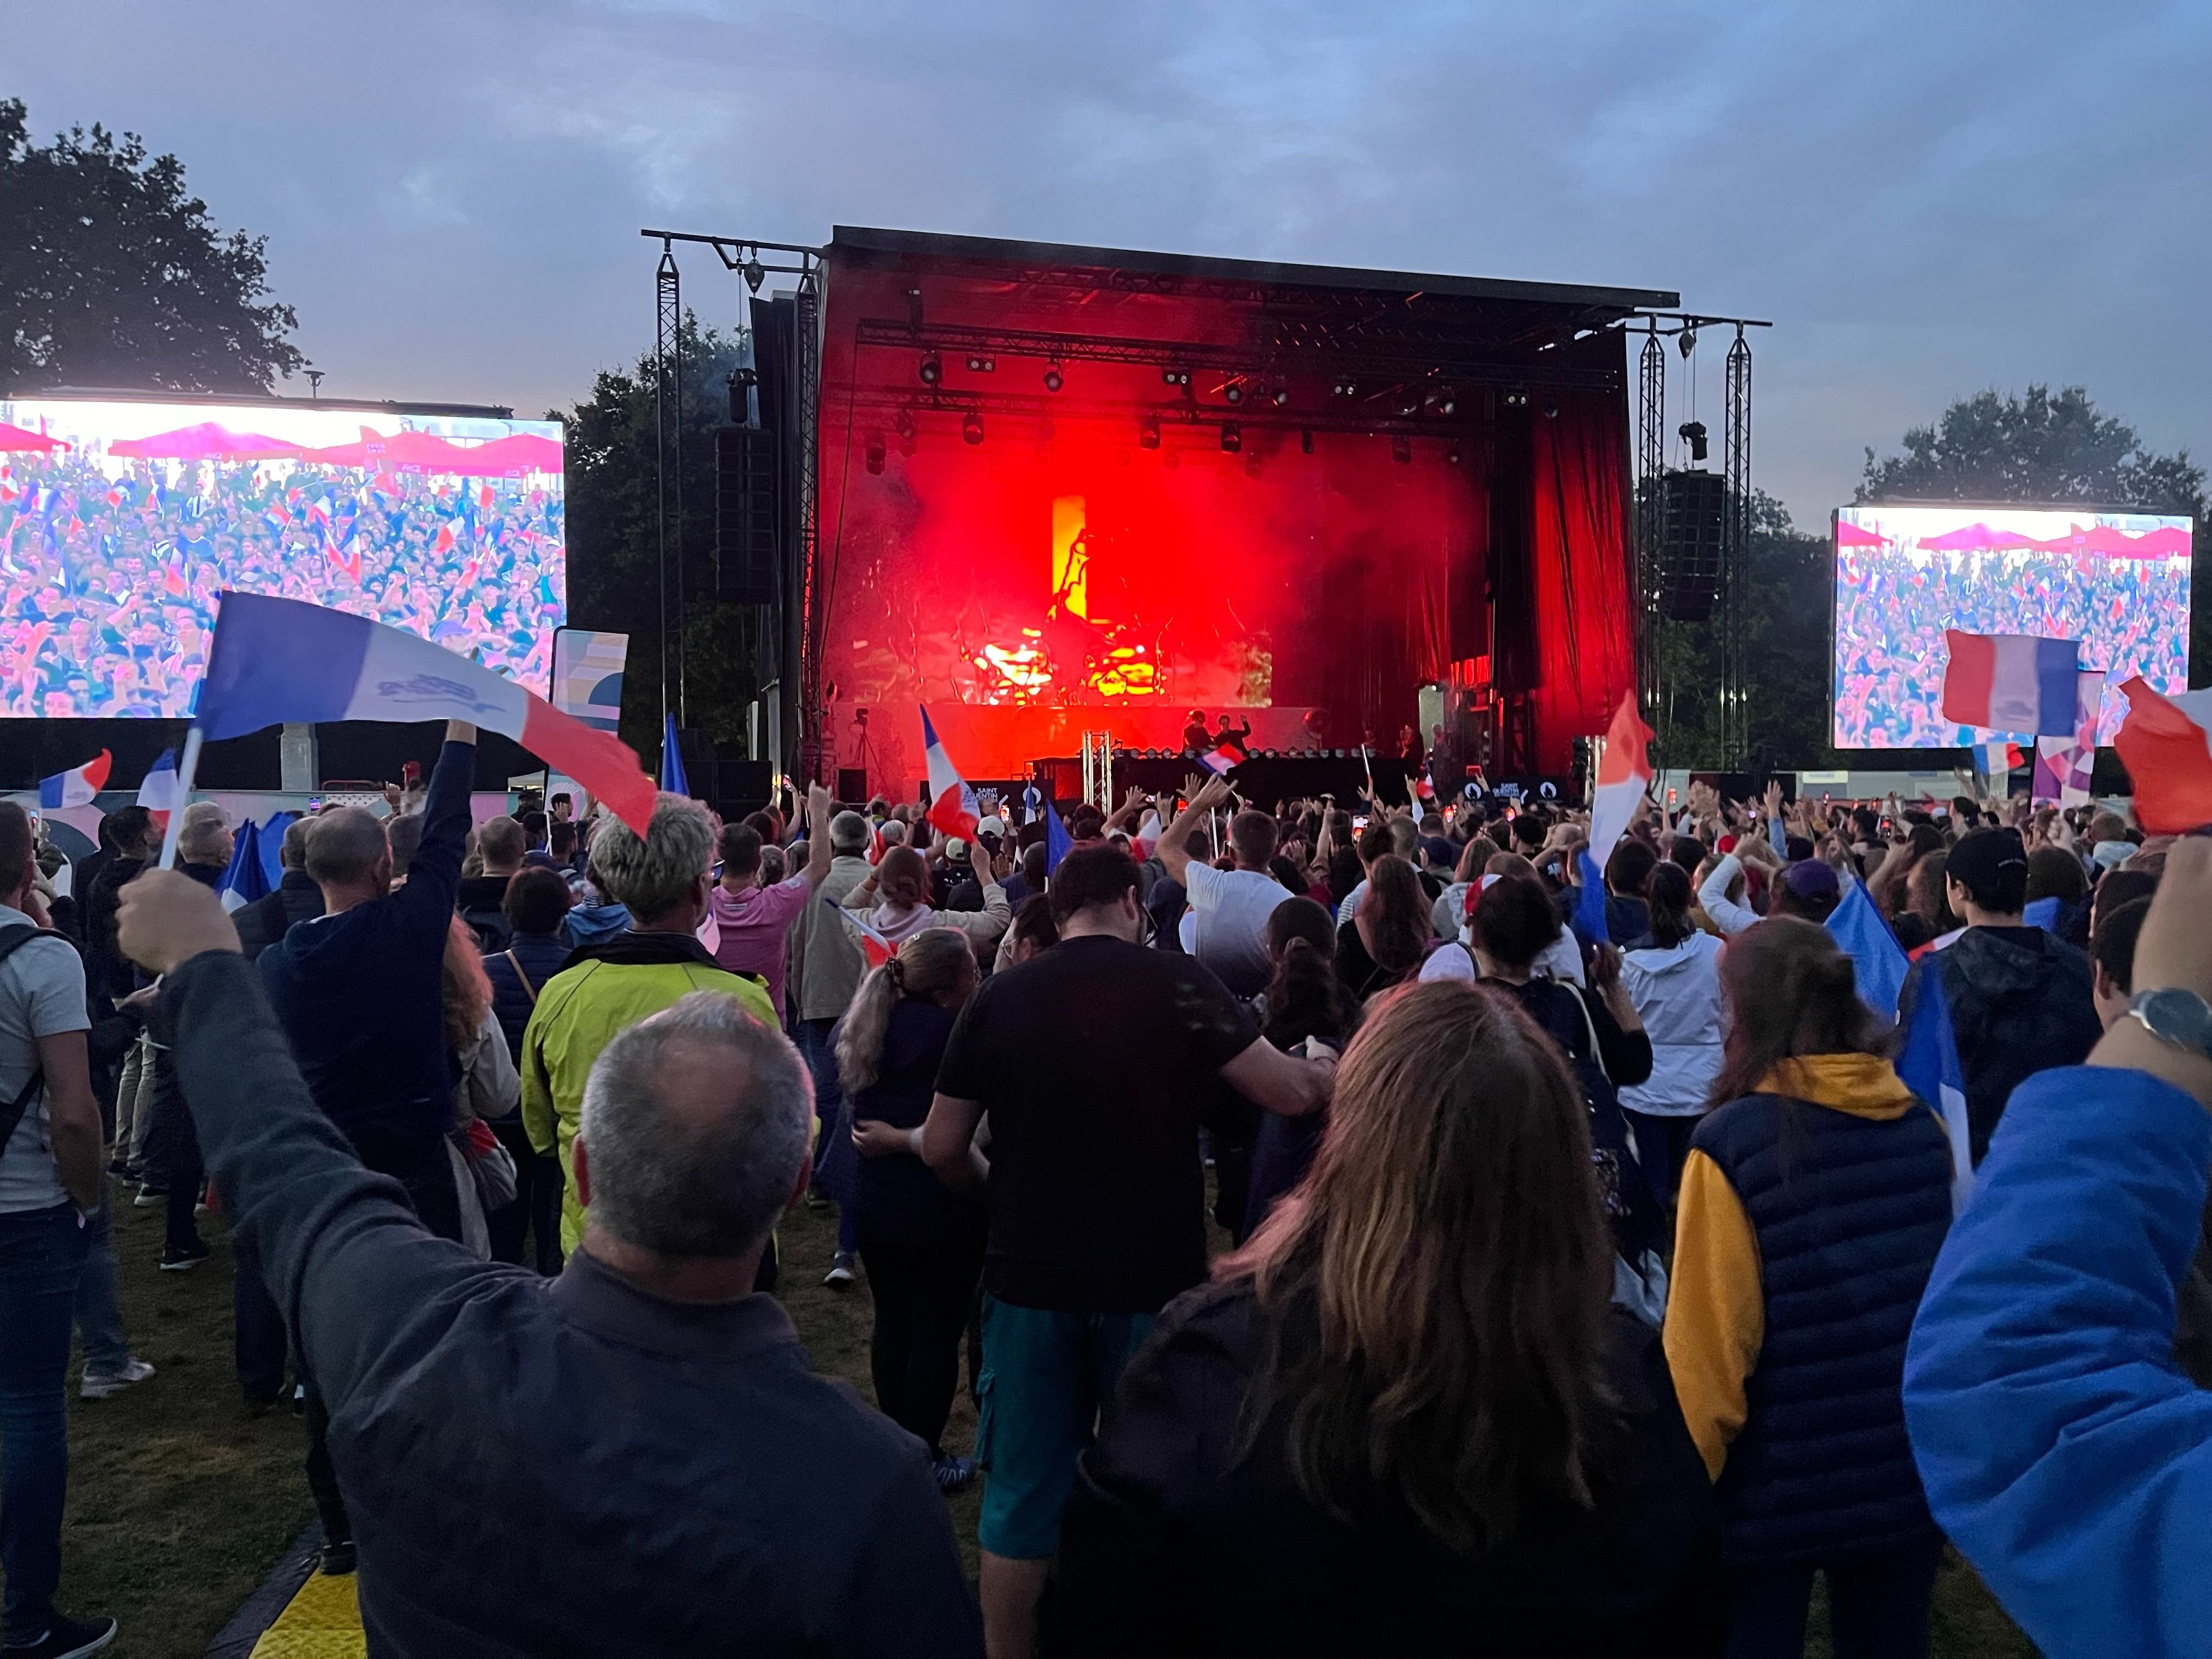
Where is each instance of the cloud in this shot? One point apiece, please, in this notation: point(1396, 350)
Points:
point(1926, 200)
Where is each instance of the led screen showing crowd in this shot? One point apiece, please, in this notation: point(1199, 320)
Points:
point(121, 523)
point(2117, 582)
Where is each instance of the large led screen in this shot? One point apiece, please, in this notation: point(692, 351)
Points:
point(2117, 582)
point(121, 522)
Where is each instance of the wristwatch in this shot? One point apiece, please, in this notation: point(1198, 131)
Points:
point(2175, 1015)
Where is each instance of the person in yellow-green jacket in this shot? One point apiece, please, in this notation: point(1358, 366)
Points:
point(1815, 1198)
point(665, 879)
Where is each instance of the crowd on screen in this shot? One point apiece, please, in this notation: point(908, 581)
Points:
point(1894, 605)
point(1351, 1242)
point(109, 581)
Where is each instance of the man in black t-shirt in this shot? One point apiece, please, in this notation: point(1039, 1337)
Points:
point(1095, 1059)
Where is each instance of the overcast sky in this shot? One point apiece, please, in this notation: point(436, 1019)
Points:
point(1927, 199)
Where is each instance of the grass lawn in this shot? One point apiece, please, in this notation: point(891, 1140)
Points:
point(180, 1503)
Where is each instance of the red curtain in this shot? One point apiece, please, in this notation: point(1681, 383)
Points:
point(1583, 573)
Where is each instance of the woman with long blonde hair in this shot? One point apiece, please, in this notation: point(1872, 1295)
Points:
point(921, 1242)
point(1406, 1418)
point(486, 1087)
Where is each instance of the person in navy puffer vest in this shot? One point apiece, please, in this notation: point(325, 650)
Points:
point(1814, 1201)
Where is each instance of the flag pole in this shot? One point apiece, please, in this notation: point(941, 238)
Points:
point(187, 764)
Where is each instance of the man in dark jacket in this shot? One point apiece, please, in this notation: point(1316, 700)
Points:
point(499, 843)
point(2021, 999)
point(297, 899)
point(806, 1524)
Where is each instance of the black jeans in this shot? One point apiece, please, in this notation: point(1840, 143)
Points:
point(537, 1207)
point(1877, 1605)
point(923, 1294)
point(175, 1145)
point(257, 1339)
point(417, 1162)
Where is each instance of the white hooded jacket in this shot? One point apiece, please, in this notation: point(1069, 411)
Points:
point(1677, 994)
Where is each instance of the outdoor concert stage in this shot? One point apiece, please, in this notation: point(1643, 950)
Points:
point(1067, 489)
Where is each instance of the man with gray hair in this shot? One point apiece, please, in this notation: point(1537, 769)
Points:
point(685, 1481)
point(205, 843)
point(663, 878)
point(825, 969)
point(296, 898)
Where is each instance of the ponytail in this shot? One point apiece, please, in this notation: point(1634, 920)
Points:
point(861, 1035)
point(1666, 897)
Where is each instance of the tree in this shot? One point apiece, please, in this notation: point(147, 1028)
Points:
point(614, 548)
point(2044, 448)
point(111, 275)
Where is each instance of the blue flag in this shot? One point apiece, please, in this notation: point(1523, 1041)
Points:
point(1058, 843)
point(1928, 1064)
point(671, 758)
point(247, 878)
point(1588, 920)
point(1874, 952)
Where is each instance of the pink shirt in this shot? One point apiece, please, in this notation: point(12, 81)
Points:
point(754, 925)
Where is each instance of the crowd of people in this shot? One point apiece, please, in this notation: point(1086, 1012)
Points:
point(1360, 1235)
point(1894, 603)
point(110, 569)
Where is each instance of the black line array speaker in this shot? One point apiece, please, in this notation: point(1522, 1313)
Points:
point(1692, 518)
point(747, 473)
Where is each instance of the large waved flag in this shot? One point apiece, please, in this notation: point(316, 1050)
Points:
point(2013, 682)
point(158, 793)
point(1928, 1061)
point(247, 878)
point(1623, 773)
point(672, 779)
point(275, 662)
point(76, 786)
point(2064, 765)
point(952, 808)
point(2166, 743)
point(1879, 960)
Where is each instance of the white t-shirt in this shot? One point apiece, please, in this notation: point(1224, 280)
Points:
point(1231, 907)
point(41, 995)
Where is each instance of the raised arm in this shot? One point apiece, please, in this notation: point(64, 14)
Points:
point(818, 837)
point(433, 878)
point(1173, 849)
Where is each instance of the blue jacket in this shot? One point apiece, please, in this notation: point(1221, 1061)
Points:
point(361, 995)
point(539, 955)
point(2062, 1448)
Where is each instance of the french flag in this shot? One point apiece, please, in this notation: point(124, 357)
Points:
point(2166, 743)
point(76, 788)
point(275, 662)
point(874, 947)
point(1221, 760)
point(952, 807)
point(2015, 683)
point(158, 793)
point(1624, 774)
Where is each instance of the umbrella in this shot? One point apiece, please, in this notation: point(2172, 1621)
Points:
point(206, 442)
point(522, 451)
point(1854, 535)
point(412, 452)
point(1954, 541)
point(16, 438)
point(353, 454)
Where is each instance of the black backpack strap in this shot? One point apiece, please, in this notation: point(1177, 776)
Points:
point(11, 1114)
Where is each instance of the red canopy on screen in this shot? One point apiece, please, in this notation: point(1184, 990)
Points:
point(1961, 539)
point(1851, 535)
point(521, 452)
point(411, 452)
point(353, 454)
point(16, 438)
point(206, 442)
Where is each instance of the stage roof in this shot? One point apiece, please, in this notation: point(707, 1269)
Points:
point(1047, 261)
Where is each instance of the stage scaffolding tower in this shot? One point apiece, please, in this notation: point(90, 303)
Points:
point(668, 458)
point(1650, 463)
point(1735, 451)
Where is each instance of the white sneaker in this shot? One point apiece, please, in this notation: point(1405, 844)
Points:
point(105, 1385)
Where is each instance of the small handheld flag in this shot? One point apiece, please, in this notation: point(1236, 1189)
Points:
point(877, 949)
point(1058, 843)
point(247, 878)
point(952, 808)
point(1623, 773)
point(158, 793)
point(672, 779)
point(1221, 760)
point(1876, 957)
point(77, 786)
point(1588, 920)
point(1928, 1062)
point(2166, 743)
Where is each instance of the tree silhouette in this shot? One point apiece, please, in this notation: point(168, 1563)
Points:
point(112, 275)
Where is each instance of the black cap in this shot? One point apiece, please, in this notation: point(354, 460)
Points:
point(1977, 862)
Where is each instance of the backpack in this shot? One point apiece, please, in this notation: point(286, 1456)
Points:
point(11, 1112)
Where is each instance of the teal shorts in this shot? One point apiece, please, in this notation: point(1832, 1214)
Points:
point(1046, 1376)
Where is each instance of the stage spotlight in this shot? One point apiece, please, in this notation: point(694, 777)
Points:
point(1452, 456)
point(1148, 435)
point(1401, 450)
point(1234, 392)
point(1053, 378)
point(1305, 441)
point(1686, 341)
point(1517, 398)
point(1693, 433)
point(1174, 377)
point(875, 452)
point(931, 370)
point(1232, 438)
point(971, 428)
point(1282, 397)
point(1447, 405)
point(1551, 409)
point(904, 424)
point(1345, 388)
point(755, 273)
point(981, 365)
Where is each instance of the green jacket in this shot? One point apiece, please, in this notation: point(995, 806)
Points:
point(607, 988)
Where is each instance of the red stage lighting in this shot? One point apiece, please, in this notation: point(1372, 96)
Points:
point(1232, 438)
point(1053, 378)
point(1282, 397)
point(1148, 435)
point(971, 428)
point(931, 370)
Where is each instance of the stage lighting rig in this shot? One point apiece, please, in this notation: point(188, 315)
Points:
point(1232, 439)
point(904, 423)
point(1174, 377)
point(1452, 456)
point(1305, 441)
point(1282, 397)
point(931, 370)
point(1693, 433)
point(1345, 388)
point(1234, 392)
point(1148, 435)
point(1447, 405)
point(981, 365)
point(875, 452)
point(971, 428)
point(1517, 398)
point(1686, 341)
point(1054, 380)
point(755, 272)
